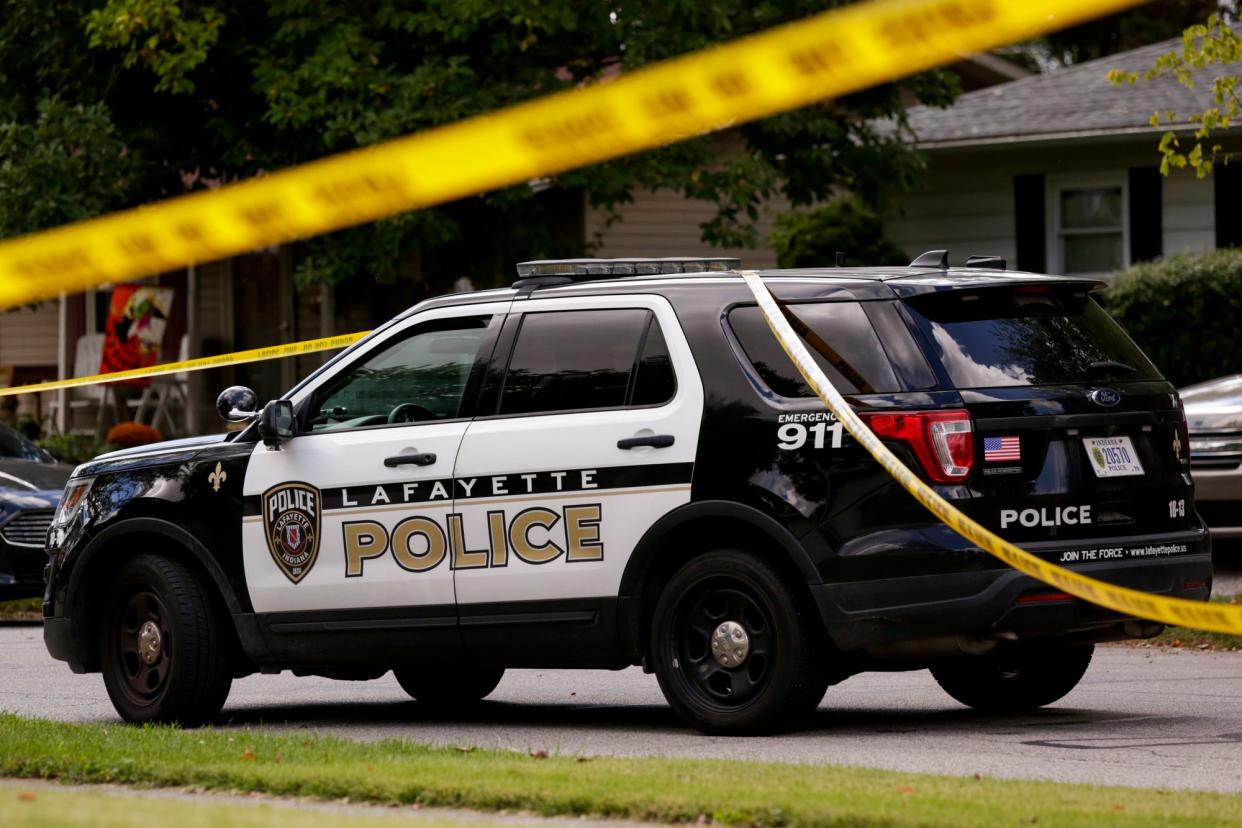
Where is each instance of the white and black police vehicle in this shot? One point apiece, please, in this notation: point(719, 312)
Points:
point(613, 463)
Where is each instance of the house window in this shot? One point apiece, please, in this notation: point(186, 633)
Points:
point(1089, 219)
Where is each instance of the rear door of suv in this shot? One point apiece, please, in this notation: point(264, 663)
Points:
point(1078, 436)
point(585, 436)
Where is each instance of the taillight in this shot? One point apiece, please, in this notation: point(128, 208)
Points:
point(943, 441)
point(1183, 434)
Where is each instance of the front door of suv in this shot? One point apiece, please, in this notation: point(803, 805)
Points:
point(353, 513)
point(585, 437)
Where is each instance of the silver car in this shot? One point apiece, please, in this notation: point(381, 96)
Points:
point(1214, 419)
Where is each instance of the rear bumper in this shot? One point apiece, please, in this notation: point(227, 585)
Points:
point(864, 613)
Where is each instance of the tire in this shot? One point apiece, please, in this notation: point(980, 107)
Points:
point(1016, 679)
point(164, 649)
point(448, 685)
point(781, 675)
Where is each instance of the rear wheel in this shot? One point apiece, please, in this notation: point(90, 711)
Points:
point(736, 650)
point(448, 685)
point(163, 646)
point(1015, 678)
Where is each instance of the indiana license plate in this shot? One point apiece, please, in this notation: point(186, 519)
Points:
point(1112, 456)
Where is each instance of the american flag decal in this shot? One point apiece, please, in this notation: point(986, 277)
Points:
point(1000, 449)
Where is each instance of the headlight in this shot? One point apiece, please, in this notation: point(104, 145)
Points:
point(72, 500)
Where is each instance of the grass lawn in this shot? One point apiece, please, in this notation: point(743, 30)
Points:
point(674, 790)
point(39, 806)
point(26, 609)
point(1189, 639)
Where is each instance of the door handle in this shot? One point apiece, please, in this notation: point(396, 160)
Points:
point(655, 441)
point(409, 460)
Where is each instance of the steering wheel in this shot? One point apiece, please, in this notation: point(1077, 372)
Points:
point(410, 413)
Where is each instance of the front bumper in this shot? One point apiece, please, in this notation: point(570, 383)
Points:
point(860, 614)
point(21, 571)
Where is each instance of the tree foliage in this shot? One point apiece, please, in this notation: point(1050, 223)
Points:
point(1113, 33)
point(812, 238)
point(1215, 43)
point(104, 106)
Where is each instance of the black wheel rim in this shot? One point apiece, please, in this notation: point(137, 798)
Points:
point(700, 615)
point(142, 669)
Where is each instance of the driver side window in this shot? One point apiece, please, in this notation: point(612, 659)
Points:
point(418, 378)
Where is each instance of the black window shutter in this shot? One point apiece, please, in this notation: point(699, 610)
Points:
point(1028, 217)
point(1228, 212)
point(1146, 214)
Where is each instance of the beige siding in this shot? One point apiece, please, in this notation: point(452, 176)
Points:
point(664, 223)
point(1189, 213)
point(28, 336)
point(966, 201)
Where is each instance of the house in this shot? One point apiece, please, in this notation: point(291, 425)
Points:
point(666, 223)
point(1059, 172)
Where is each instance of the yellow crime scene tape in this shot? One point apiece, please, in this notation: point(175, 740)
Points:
point(1202, 615)
point(821, 57)
point(310, 346)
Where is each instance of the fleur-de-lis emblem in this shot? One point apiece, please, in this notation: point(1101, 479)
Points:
point(217, 477)
point(1177, 445)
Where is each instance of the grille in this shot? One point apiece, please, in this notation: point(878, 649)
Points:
point(28, 528)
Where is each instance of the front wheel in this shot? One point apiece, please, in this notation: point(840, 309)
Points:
point(163, 646)
point(448, 685)
point(1015, 678)
point(736, 649)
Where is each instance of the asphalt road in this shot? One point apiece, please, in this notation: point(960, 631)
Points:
point(1150, 718)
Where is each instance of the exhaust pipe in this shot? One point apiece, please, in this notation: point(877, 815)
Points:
point(940, 646)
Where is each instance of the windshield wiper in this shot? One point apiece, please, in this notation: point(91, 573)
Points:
point(1110, 365)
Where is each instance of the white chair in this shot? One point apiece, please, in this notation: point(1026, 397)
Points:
point(87, 360)
point(165, 392)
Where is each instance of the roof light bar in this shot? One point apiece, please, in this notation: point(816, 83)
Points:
point(625, 267)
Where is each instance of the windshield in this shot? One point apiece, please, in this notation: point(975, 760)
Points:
point(1027, 335)
point(14, 445)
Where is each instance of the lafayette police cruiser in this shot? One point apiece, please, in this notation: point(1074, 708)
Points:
point(613, 463)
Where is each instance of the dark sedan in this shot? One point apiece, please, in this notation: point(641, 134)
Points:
point(31, 482)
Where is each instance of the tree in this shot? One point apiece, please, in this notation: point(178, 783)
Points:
point(812, 238)
point(135, 100)
point(1215, 43)
point(1113, 33)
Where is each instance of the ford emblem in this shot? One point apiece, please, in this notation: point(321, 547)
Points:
point(1105, 396)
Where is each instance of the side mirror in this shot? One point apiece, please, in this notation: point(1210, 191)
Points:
point(277, 423)
point(237, 404)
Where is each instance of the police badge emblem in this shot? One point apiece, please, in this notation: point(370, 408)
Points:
point(291, 524)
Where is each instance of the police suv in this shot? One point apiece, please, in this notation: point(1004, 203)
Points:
point(614, 463)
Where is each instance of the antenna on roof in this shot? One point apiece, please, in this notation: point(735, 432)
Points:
point(932, 258)
point(840, 259)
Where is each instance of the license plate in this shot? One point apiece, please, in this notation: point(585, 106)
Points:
point(1112, 456)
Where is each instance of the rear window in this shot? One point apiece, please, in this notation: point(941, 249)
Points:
point(844, 326)
point(1029, 335)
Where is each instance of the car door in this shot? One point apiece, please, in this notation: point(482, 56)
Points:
point(587, 439)
point(353, 512)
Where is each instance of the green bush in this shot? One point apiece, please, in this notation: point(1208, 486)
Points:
point(74, 448)
point(1184, 312)
point(812, 239)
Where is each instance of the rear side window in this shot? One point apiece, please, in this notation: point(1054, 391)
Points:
point(844, 326)
point(1027, 335)
point(581, 360)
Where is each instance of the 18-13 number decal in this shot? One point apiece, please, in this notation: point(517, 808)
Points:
point(794, 435)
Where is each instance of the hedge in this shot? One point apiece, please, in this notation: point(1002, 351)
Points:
point(1185, 312)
